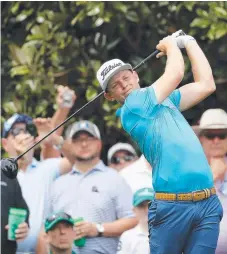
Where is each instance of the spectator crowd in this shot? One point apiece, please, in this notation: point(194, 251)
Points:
point(71, 181)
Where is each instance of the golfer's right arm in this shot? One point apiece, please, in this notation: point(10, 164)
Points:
point(174, 71)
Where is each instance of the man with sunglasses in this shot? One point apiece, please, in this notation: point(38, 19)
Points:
point(59, 233)
point(136, 171)
point(212, 132)
point(34, 177)
point(121, 155)
point(92, 191)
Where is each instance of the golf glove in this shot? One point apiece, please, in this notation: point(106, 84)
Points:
point(183, 40)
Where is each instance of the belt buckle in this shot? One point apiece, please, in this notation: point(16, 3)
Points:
point(193, 196)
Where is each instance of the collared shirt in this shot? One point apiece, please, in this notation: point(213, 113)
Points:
point(167, 141)
point(100, 195)
point(138, 175)
point(134, 241)
point(35, 184)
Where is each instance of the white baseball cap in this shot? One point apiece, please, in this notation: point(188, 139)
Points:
point(85, 126)
point(214, 118)
point(109, 69)
point(120, 147)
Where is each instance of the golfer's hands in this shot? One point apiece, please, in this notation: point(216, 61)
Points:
point(44, 126)
point(21, 232)
point(166, 45)
point(183, 40)
point(218, 166)
point(61, 92)
point(85, 229)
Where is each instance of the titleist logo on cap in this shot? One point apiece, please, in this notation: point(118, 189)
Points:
point(108, 69)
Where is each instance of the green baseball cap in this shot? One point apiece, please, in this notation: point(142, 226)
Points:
point(144, 194)
point(55, 218)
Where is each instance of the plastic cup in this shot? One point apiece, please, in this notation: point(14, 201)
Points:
point(79, 242)
point(16, 217)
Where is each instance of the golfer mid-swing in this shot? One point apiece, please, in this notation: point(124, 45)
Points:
point(185, 215)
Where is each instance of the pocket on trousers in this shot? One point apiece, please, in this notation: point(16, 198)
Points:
point(221, 210)
point(152, 213)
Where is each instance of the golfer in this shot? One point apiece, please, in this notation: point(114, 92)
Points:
point(186, 213)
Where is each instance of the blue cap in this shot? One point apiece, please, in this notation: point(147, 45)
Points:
point(16, 118)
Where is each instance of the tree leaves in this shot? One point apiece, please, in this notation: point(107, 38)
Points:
point(45, 44)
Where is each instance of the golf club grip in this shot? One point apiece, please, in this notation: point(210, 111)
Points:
point(80, 109)
point(146, 59)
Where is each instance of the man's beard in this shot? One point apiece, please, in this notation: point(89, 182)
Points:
point(88, 159)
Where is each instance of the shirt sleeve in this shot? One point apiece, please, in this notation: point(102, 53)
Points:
point(51, 168)
point(123, 199)
point(142, 101)
point(175, 98)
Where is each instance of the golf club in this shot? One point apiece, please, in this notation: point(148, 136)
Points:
point(9, 166)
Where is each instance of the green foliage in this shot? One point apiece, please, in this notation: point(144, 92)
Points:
point(49, 43)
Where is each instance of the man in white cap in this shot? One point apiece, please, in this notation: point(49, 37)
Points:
point(121, 155)
point(136, 171)
point(213, 137)
point(181, 173)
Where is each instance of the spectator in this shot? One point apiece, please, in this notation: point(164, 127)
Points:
point(59, 233)
point(121, 155)
point(136, 241)
point(138, 174)
point(93, 191)
point(213, 137)
point(35, 178)
point(11, 196)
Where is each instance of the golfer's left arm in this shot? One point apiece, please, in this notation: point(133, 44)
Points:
point(203, 86)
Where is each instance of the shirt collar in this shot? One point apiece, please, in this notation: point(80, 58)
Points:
point(118, 112)
point(100, 166)
point(33, 164)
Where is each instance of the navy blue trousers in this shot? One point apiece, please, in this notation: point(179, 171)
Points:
point(177, 227)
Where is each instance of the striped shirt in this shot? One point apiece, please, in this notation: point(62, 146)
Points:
point(100, 195)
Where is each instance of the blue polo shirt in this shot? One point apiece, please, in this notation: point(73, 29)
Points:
point(167, 141)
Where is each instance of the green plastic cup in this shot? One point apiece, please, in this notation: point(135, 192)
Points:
point(16, 217)
point(79, 242)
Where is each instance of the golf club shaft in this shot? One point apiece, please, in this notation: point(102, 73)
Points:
point(80, 109)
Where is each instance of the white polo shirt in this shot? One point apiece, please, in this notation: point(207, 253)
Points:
point(134, 241)
point(138, 174)
point(35, 184)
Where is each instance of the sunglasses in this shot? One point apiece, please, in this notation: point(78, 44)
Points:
point(30, 128)
point(117, 160)
point(211, 136)
point(57, 215)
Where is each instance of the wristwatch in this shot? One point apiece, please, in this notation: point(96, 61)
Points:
point(100, 229)
point(59, 146)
